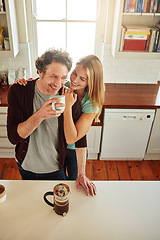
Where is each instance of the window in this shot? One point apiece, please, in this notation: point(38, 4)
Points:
point(68, 24)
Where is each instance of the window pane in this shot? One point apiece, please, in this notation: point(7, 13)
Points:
point(50, 35)
point(80, 39)
point(51, 9)
point(81, 10)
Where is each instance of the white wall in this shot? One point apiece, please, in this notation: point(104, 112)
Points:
point(129, 70)
point(22, 60)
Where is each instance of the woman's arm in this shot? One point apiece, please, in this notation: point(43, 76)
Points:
point(73, 132)
point(82, 179)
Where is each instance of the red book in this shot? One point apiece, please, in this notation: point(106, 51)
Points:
point(132, 5)
point(136, 44)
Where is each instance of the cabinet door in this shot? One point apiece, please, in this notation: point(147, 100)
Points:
point(9, 22)
point(93, 141)
point(154, 142)
point(6, 148)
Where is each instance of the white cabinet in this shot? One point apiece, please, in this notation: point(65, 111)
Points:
point(120, 19)
point(153, 150)
point(93, 141)
point(9, 23)
point(6, 148)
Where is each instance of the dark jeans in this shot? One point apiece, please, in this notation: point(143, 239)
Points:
point(71, 164)
point(27, 175)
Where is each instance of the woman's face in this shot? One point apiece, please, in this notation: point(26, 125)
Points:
point(78, 78)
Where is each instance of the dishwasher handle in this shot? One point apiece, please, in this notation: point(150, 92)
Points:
point(129, 117)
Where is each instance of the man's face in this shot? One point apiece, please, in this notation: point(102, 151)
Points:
point(53, 79)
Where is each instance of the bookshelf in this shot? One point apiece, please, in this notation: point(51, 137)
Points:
point(122, 18)
point(9, 23)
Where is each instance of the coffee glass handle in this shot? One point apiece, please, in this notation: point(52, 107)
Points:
point(46, 200)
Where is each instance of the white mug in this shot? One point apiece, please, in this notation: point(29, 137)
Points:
point(62, 97)
point(2, 194)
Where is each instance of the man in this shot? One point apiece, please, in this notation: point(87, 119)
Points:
point(37, 129)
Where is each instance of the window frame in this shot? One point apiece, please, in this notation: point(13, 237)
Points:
point(102, 5)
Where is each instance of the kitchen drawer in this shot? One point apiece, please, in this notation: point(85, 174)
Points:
point(4, 143)
point(3, 131)
point(3, 119)
point(7, 150)
point(3, 110)
point(7, 153)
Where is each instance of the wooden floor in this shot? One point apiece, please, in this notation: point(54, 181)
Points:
point(99, 170)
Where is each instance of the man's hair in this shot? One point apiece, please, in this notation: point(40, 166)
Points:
point(52, 54)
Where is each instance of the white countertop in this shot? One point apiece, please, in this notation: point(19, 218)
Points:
point(120, 211)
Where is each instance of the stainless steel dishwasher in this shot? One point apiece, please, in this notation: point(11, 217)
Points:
point(125, 133)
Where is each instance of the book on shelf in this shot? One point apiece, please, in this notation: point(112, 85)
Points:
point(151, 6)
point(148, 6)
point(127, 5)
point(132, 5)
point(123, 31)
point(152, 39)
point(158, 46)
point(136, 6)
point(137, 29)
point(142, 6)
point(135, 38)
point(155, 6)
point(141, 45)
point(156, 39)
point(135, 45)
point(145, 6)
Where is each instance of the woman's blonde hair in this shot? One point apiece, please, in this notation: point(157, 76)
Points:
point(95, 88)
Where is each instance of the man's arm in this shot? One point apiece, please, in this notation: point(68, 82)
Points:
point(27, 127)
point(19, 126)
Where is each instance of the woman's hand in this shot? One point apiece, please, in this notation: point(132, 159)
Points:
point(22, 81)
point(70, 97)
point(86, 184)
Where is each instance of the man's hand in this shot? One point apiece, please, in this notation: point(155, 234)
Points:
point(46, 110)
point(86, 184)
point(25, 128)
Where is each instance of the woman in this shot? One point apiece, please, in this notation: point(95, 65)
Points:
point(86, 83)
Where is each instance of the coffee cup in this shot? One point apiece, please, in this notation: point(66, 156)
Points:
point(62, 100)
point(60, 195)
point(2, 194)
